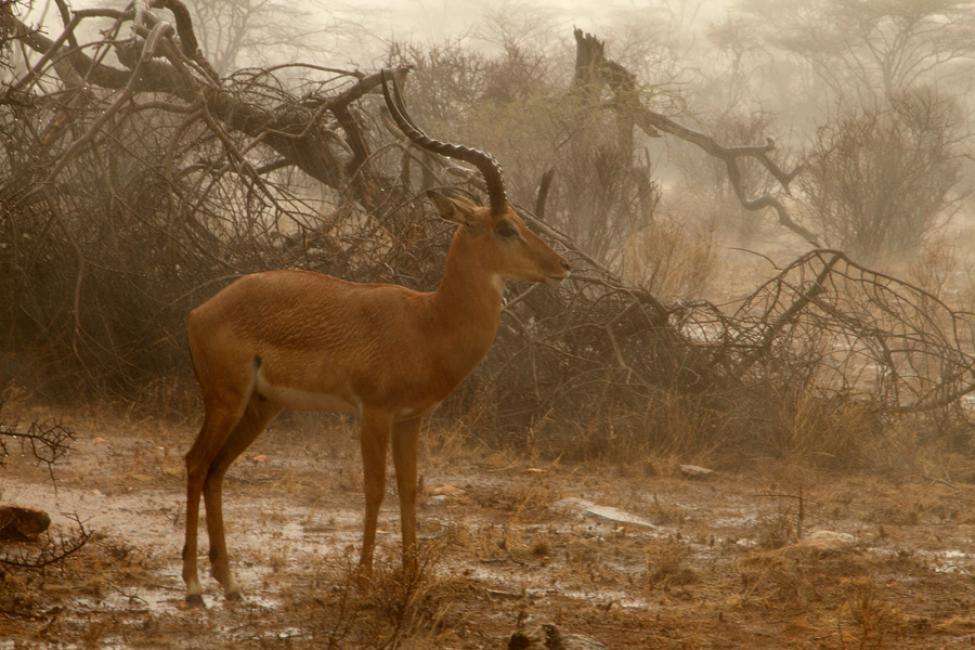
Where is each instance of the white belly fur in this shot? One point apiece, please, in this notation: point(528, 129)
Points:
point(302, 400)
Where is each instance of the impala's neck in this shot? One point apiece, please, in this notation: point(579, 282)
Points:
point(467, 304)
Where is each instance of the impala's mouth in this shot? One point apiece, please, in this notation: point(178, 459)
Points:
point(555, 279)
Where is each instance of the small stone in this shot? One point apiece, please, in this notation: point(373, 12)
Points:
point(444, 489)
point(695, 471)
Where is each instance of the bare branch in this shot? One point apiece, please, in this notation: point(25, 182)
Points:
point(593, 67)
point(53, 550)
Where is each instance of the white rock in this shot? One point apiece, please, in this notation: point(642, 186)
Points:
point(695, 471)
point(605, 513)
point(827, 540)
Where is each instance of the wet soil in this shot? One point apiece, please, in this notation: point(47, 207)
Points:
point(634, 556)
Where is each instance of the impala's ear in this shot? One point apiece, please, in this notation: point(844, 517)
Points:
point(454, 208)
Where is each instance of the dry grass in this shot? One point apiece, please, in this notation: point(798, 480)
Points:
point(775, 531)
point(774, 578)
point(668, 564)
point(670, 259)
point(684, 426)
point(872, 621)
point(665, 514)
point(496, 557)
point(393, 607)
point(410, 603)
point(798, 425)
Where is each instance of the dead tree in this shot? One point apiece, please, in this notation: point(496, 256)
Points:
point(594, 72)
point(157, 153)
point(164, 67)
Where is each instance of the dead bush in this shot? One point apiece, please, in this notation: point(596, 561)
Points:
point(411, 600)
point(881, 179)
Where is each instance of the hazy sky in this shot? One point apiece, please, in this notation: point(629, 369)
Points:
point(359, 31)
point(476, 20)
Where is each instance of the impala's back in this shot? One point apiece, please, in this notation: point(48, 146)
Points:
point(306, 341)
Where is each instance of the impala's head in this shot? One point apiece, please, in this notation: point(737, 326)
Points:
point(504, 243)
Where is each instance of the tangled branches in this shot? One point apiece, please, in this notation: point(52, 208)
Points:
point(849, 330)
point(48, 442)
point(825, 337)
point(53, 550)
point(129, 194)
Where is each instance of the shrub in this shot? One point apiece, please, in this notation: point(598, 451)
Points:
point(879, 180)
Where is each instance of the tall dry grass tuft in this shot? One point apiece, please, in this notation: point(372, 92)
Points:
point(670, 259)
point(826, 432)
point(668, 564)
point(393, 607)
point(871, 620)
point(414, 601)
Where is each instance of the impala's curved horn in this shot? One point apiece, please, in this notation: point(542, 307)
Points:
point(489, 167)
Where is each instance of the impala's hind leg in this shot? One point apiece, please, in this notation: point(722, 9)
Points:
point(257, 416)
point(218, 422)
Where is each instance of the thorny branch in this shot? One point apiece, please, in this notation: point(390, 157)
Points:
point(48, 443)
point(52, 551)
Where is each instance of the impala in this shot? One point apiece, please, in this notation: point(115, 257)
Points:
point(307, 341)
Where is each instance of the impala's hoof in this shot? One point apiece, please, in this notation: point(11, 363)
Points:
point(195, 600)
point(235, 596)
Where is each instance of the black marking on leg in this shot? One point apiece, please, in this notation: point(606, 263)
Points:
point(214, 554)
point(257, 368)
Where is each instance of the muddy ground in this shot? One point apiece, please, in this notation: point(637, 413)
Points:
point(710, 562)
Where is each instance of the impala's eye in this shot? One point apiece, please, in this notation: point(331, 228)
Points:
point(506, 229)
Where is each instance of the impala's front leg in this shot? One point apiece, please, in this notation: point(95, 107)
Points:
point(375, 439)
point(404, 458)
